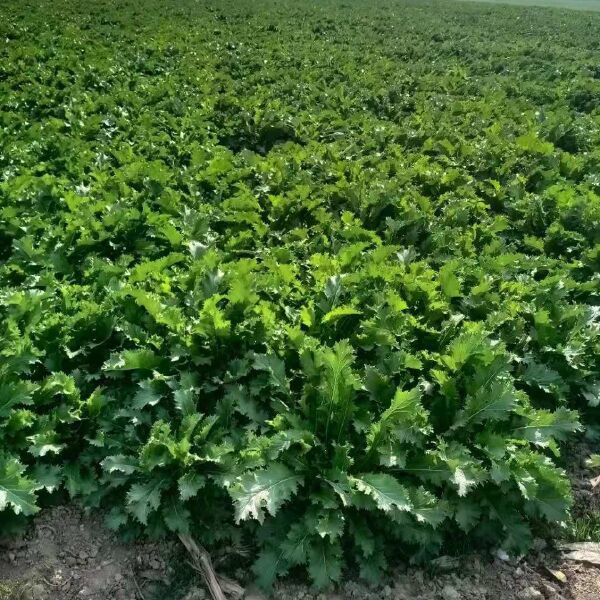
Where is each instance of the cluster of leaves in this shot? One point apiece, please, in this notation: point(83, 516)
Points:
point(346, 314)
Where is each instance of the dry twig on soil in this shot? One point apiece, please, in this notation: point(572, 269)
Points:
point(217, 585)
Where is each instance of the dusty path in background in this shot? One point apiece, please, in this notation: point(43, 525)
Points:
point(68, 555)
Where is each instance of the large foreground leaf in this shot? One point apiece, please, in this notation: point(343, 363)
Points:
point(264, 489)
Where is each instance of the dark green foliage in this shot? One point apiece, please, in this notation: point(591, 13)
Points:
point(322, 277)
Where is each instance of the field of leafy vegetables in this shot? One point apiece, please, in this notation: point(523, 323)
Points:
point(322, 278)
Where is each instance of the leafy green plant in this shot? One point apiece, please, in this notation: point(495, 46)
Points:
point(356, 459)
point(347, 317)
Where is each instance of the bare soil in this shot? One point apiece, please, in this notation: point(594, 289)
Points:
point(68, 554)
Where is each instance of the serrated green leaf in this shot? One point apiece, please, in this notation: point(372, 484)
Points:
point(266, 567)
point(78, 480)
point(171, 316)
point(384, 490)
point(427, 508)
point(449, 282)
point(177, 517)
point(544, 426)
point(144, 498)
point(373, 569)
point(264, 489)
point(131, 360)
point(467, 514)
point(295, 546)
point(542, 376)
point(490, 403)
point(275, 367)
point(592, 394)
point(44, 443)
point(120, 463)
point(333, 291)
point(12, 394)
point(48, 477)
point(17, 492)
point(115, 519)
point(403, 421)
point(363, 537)
point(148, 395)
point(331, 524)
point(463, 481)
point(339, 313)
point(185, 401)
point(190, 484)
point(470, 345)
point(324, 563)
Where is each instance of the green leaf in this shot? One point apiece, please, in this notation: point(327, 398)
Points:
point(464, 481)
point(333, 291)
point(467, 514)
point(17, 492)
point(517, 538)
point(402, 421)
point(79, 481)
point(267, 566)
point(470, 345)
point(161, 448)
point(593, 461)
point(592, 394)
point(13, 394)
point(384, 489)
point(449, 282)
point(170, 316)
point(338, 385)
point(284, 440)
point(490, 403)
point(412, 362)
point(363, 536)
point(115, 519)
point(427, 508)
point(197, 249)
point(331, 524)
point(119, 463)
point(531, 143)
point(466, 472)
point(539, 375)
point(544, 426)
point(177, 518)
point(130, 360)
point(324, 563)
point(339, 313)
point(144, 498)
point(553, 494)
point(295, 546)
point(44, 443)
point(373, 568)
point(264, 489)
point(185, 399)
point(148, 268)
point(340, 483)
point(190, 484)
point(48, 477)
point(149, 394)
point(275, 367)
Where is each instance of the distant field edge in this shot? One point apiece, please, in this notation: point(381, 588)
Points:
point(582, 5)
